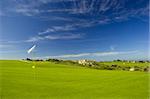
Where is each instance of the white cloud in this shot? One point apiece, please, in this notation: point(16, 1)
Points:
point(93, 54)
point(95, 10)
point(5, 46)
point(58, 29)
point(27, 11)
point(114, 53)
point(67, 36)
point(56, 37)
point(70, 27)
point(69, 55)
point(34, 39)
point(112, 47)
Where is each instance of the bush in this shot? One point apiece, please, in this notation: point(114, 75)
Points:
point(146, 69)
point(28, 59)
point(38, 60)
point(137, 68)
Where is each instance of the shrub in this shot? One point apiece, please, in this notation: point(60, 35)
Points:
point(28, 59)
point(146, 69)
point(137, 68)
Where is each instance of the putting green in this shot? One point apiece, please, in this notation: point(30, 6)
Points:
point(55, 81)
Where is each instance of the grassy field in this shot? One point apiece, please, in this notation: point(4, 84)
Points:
point(56, 81)
point(130, 64)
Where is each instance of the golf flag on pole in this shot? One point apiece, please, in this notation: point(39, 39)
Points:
point(31, 49)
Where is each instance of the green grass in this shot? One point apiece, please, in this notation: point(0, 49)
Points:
point(56, 81)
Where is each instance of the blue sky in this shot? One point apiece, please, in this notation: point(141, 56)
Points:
point(74, 29)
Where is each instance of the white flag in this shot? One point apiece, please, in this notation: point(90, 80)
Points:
point(31, 49)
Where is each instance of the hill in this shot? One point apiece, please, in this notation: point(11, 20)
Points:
point(58, 81)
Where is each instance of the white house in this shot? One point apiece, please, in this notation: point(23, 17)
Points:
point(86, 62)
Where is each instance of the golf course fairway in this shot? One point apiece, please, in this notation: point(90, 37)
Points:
point(56, 81)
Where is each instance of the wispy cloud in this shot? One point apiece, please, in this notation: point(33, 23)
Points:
point(62, 36)
point(80, 13)
point(10, 42)
point(57, 29)
point(56, 37)
point(80, 7)
point(69, 55)
point(72, 26)
point(112, 47)
point(114, 53)
point(34, 39)
point(5, 46)
point(111, 53)
point(27, 11)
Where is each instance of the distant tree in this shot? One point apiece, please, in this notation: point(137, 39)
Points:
point(53, 60)
point(147, 69)
point(141, 62)
point(118, 60)
point(28, 59)
point(38, 60)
